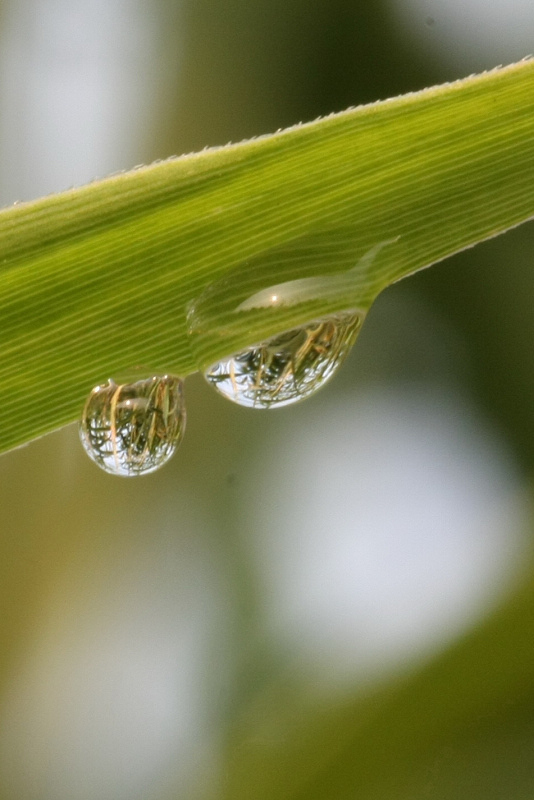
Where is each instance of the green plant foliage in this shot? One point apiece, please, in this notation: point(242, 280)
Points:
point(97, 280)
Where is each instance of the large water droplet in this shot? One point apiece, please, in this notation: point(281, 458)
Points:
point(288, 367)
point(299, 325)
point(133, 428)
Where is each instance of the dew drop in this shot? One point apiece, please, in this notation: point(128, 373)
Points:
point(134, 428)
point(300, 324)
point(288, 367)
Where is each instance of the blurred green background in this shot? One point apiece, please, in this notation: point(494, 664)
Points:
point(326, 601)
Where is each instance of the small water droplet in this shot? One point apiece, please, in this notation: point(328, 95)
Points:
point(134, 428)
point(288, 367)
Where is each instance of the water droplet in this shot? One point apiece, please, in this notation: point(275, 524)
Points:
point(133, 428)
point(299, 325)
point(288, 367)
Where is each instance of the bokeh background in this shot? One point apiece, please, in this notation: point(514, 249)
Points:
point(162, 637)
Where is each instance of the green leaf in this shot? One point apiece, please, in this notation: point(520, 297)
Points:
point(97, 280)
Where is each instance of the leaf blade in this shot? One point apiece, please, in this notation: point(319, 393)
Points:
point(98, 279)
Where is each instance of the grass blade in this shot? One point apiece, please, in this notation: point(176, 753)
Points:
point(96, 280)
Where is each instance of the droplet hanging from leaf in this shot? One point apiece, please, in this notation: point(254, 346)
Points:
point(311, 318)
point(288, 367)
point(134, 428)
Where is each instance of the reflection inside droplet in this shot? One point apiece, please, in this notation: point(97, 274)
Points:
point(133, 428)
point(288, 367)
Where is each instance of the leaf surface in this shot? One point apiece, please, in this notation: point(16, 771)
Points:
point(98, 280)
